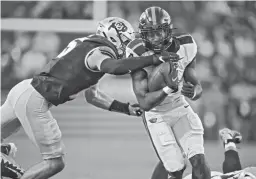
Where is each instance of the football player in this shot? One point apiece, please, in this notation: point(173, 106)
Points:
point(231, 165)
point(78, 67)
point(174, 128)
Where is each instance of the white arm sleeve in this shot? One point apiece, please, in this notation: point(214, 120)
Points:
point(96, 56)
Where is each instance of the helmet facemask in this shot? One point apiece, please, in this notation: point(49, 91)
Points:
point(155, 28)
point(156, 39)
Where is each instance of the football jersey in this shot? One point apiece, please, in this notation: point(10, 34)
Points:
point(185, 46)
point(69, 73)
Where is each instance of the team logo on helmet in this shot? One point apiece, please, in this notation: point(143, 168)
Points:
point(119, 26)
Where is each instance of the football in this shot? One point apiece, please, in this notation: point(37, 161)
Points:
point(156, 77)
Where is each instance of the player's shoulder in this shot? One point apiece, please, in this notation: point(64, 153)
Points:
point(184, 38)
point(136, 46)
point(186, 41)
point(103, 45)
point(105, 50)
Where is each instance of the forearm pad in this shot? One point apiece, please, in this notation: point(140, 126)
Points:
point(124, 66)
point(118, 106)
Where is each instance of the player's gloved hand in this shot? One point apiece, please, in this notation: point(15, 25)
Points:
point(170, 56)
point(135, 110)
point(165, 57)
point(191, 91)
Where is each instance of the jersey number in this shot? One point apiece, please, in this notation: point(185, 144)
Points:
point(71, 46)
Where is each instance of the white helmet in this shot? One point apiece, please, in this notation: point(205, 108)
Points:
point(118, 31)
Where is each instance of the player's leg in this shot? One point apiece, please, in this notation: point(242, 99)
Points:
point(232, 161)
point(40, 126)
point(159, 172)
point(200, 168)
point(189, 132)
point(166, 148)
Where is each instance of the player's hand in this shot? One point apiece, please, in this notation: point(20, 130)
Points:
point(191, 91)
point(170, 56)
point(165, 57)
point(135, 110)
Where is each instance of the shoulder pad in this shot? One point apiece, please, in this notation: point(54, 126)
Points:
point(107, 51)
point(184, 38)
point(137, 46)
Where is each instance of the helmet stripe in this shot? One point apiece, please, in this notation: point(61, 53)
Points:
point(158, 15)
point(153, 10)
point(148, 14)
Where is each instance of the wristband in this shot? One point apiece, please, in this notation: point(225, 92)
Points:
point(167, 90)
point(119, 107)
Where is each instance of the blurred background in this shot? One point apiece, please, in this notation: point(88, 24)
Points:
point(33, 32)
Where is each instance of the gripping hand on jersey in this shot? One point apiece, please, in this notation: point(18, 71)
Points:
point(169, 56)
point(165, 57)
point(135, 110)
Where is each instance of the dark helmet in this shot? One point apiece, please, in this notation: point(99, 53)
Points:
point(155, 28)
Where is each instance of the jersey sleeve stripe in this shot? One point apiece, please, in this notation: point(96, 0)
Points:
point(139, 49)
point(185, 39)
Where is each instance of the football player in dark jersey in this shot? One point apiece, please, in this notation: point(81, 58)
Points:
point(231, 165)
point(78, 67)
point(175, 130)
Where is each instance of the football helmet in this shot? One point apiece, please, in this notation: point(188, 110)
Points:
point(155, 28)
point(118, 31)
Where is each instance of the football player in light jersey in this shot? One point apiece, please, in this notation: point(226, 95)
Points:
point(231, 165)
point(78, 67)
point(174, 128)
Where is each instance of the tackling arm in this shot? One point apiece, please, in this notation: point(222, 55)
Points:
point(99, 99)
point(191, 77)
point(126, 65)
point(147, 100)
point(103, 59)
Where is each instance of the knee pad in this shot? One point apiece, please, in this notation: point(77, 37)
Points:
point(54, 151)
point(194, 150)
point(174, 166)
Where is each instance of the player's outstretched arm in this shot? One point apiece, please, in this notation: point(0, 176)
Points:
point(147, 100)
point(103, 59)
point(99, 99)
point(126, 65)
point(192, 88)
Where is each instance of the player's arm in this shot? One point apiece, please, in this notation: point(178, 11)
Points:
point(96, 97)
point(103, 59)
point(147, 100)
point(192, 88)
